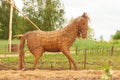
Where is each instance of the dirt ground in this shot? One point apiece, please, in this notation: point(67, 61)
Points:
point(55, 75)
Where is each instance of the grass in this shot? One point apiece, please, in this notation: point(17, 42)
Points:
point(59, 61)
point(81, 43)
point(95, 60)
point(5, 42)
point(4, 45)
point(89, 44)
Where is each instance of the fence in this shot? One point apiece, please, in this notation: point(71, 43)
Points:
point(4, 49)
point(111, 51)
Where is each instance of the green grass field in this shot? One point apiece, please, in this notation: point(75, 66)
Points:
point(59, 61)
point(89, 44)
point(81, 43)
point(95, 60)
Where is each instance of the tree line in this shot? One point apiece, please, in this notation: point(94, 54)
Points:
point(116, 36)
point(47, 14)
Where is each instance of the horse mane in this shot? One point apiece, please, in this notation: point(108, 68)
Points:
point(77, 20)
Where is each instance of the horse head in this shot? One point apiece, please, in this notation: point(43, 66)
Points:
point(82, 25)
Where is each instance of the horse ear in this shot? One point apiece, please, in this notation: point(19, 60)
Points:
point(84, 14)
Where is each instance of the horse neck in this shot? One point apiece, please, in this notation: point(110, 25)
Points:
point(72, 30)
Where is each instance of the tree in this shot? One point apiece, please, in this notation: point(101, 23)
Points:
point(4, 19)
point(0, 28)
point(20, 25)
point(90, 33)
point(48, 14)
point(116, 36)
point(101, 38)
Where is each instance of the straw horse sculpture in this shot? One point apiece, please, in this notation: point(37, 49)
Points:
point(54, 41)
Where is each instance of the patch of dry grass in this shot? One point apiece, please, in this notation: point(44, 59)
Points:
point(55, 75)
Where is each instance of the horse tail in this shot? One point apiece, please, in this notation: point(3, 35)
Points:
point(21, 49)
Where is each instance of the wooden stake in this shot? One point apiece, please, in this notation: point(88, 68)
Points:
point(112, 49)
point(76, 51)
point(85, 58)
point(10, 27)
point(34, 25)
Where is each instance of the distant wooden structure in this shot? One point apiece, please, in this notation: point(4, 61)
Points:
point(15, 47)
point(18, 35)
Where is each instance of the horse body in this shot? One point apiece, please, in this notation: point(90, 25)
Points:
point(43, 41)
point(53, 41)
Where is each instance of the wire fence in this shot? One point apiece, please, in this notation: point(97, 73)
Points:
point(85, 61)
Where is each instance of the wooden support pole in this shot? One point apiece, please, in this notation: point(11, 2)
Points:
point(76, 50)
point(112, 49)
point(85, 58)
point(10, 27)
point(23, 15)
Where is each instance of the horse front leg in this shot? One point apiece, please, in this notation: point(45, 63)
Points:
point(69, 64)
point(67, 54)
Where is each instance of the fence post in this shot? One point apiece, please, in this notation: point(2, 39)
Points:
point(51, 65)
point(85, 58)
point(5, 50)
point(76, 50)
point(112, 49)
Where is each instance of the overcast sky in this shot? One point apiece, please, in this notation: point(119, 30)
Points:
point(104, 14)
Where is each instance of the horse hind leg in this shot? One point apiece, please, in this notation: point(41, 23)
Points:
point(37, 53)
point(67, 54)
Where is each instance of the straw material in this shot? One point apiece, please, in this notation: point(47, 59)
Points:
point(54, 41)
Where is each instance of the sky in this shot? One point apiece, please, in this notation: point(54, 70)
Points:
point(104, 14)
